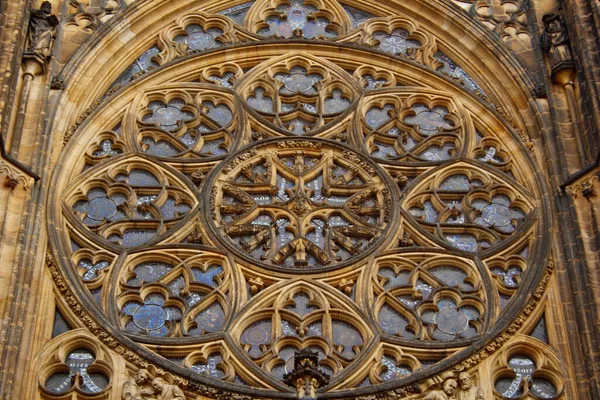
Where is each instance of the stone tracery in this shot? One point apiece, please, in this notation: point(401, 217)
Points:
point(291, 204)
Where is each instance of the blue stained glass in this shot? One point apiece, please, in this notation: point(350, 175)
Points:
point(297, 16)
point(209, 277)
point(78, 362)
point(396, 43)
point(451, 276)
point(375, 116)
point(150, 317)
point(149, 272)
point(393, 323)
point(348, 337)
point(106, 149)
point(92, 269)
point(464, 242)
point(220, 114)
point(393, 371)
point(540, 332)
point(60, 382)
point(509, 277)
point(210, 367)
point(260, 102)
point(237, 13)
point(356, 16)
point(139, 177)
point(301, 305)
point(451, 320)
point(209, 320)
point(392, 279)
point(259, 333)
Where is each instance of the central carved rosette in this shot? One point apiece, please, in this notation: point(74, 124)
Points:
point(300, 203)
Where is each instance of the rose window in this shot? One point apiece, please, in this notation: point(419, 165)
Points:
point(292, 207)
point(240, 204)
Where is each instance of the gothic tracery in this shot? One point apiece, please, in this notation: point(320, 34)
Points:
point(241, 211)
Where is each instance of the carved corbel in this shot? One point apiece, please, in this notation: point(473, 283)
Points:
point(14, 177)
point(585, 187)
point(306, 376)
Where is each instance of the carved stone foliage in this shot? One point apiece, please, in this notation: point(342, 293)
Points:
point(227, 211)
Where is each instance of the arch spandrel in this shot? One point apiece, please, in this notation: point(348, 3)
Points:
point(327, 234)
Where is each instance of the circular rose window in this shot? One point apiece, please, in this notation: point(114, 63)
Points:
point(218, 217)
point(300, 204)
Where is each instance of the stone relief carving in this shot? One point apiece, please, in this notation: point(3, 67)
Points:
point(166, 391)
point(137, 387)
point(42, 30)
point(467, 390)
point(447, 393)
point(142, 387)
point(457, 389)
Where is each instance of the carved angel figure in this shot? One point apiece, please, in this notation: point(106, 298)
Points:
point(42, 29)
point(448, 392)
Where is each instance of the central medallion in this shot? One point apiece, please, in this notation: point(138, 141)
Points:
point(300, 204)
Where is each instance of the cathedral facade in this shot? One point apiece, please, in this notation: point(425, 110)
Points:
point(300, 199)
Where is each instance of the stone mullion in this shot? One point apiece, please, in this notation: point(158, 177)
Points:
point(27, 267)
point(583, 40)
point(13, 35)
point(584, 46)
point(577, 295)
point(577, 317)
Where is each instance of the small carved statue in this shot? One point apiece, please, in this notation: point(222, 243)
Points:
point(42, 30)
point(468, 391)
point(555, 42)
point(448, 391)
point(166, 391)
point(137, 388)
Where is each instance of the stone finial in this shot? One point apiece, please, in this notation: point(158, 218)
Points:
point(306, 376)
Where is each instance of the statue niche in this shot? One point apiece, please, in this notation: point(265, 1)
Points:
point(555, 42)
